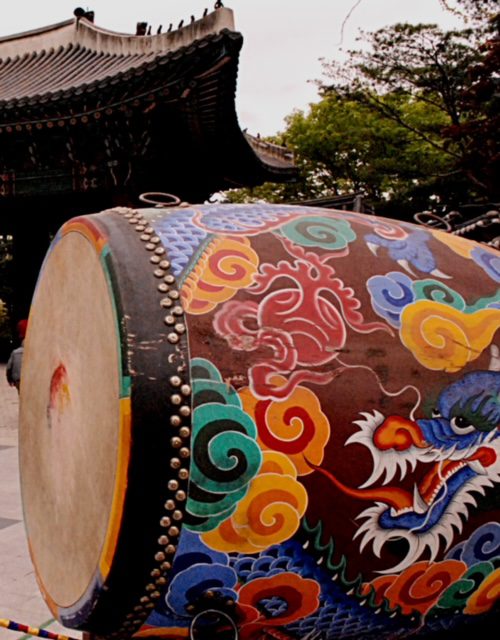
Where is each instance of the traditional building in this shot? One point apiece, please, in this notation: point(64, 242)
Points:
point(90, 118)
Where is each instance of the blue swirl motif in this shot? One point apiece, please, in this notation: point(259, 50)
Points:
point(196, 569)
point(483, 545)
point(488, 261)
point(390, 294)
point(226, 456)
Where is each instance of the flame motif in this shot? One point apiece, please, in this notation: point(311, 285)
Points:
point(444, 339)
point(296, 426)
point(227, 265)
point(270, 512)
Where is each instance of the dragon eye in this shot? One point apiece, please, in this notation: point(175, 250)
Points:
point(436, 413)
point(461, 425)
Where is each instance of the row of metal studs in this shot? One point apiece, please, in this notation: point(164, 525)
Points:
point(169, 300)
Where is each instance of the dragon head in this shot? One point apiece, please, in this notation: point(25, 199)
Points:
point(460, 448)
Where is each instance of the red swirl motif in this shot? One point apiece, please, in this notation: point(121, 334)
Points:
point(296, 426)
point(419, 587)
point(300, 594)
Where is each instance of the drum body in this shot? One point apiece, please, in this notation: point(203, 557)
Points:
point(287, 415)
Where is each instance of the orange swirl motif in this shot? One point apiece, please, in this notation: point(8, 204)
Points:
point(486, 596)
point(295, 426)
point(227, 265)
point(419, 587)
point(443, 338)
point(270, 512)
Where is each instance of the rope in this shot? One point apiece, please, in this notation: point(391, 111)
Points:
point(32, 631)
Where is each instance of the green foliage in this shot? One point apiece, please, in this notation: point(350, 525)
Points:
point(410, 119)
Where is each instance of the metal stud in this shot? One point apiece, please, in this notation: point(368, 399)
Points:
point(166, 302)
point(174, 295)
point(175, 381)
point(155, 595)
point(183, 474)
point(165, 264)
point(170, 505)
point(150, 246)
point(176, 442)
point(180, 495)
point(175, 463)
point(159, 556)
point(175, 421)
point(128, 215)
point(173, 485)
point(165, 522)
point(163, 540)
point(173, 338)
point(163, 287)
point(133, 220)
point(184, 432)
point(156, 573)
point(149, 605)
point(145, 237)
point(144, 599)
point(174, 532)
point(159, 273)
point(184, 452)
point(177, 515)
point(150, 587)
point(180, 328)
point(150, 230)
point(165, 566)
point(161, 581)
point(170, 279)
point(185, 411)
point(177, 311)
point(140, 227)
point(175, 399)
point(159, 251)
point(155, 259)
point(169, 320)
point(155, 240)
point(170, 549)
point(185, 389)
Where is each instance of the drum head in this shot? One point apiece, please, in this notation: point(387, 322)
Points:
point(95, 447)
point(70, 425)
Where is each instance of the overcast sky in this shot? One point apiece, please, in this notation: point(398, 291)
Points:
point(283, 39)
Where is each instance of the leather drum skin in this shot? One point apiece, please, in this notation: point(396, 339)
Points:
point(263, 421)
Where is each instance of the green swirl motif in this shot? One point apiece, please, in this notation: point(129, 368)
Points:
point(456, 596)
point(319, 231)
point(433, 290)
point(226, 456)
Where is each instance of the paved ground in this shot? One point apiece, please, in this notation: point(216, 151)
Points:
point(20, 599)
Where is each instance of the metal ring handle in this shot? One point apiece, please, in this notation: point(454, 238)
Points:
point(221, 614)
point(149, 196)
point(423, 218)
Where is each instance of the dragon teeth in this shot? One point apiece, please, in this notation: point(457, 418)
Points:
point(419, 504)
point(477, 467)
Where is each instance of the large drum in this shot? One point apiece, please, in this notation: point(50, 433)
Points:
point(270, 421)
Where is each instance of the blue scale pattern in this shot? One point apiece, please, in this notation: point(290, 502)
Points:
point(339, 615)
point(181, 237)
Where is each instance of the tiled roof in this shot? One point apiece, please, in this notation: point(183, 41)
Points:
point(72, 74)
point(76, 54)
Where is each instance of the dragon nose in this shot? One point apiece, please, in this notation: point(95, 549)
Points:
point(398, 433)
